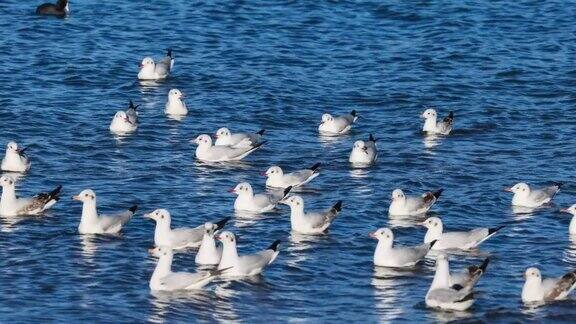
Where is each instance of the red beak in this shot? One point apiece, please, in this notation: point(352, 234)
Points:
point(372, 234)
point(218, 238)
point(508, 189)
point(263, 174)
point(232, 190)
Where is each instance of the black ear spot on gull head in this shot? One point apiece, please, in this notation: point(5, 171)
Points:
point(274, 246)
point(133, 209)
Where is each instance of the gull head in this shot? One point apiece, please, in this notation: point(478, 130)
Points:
point(146, 62)
point(294, 201)
point(203, 139)
point(121, 115)
point(360, 145)
point(432, 222)
point(532, 274)
point(159, 215)
point(210, 228)
point(429, 113)
point(327, 118)
point(569, 210)
point(243, 188)
point(12, 147)
point(273, 171)
point(175, 94)
point(6, 181)
point(382, 234)
point(85, 195)
point(223, 132)
point(160, 251)
point(227, 238)
point(519, 188)
point(398, 194)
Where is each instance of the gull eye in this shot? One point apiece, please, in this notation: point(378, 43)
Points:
point(85, 195)
point(298, 203)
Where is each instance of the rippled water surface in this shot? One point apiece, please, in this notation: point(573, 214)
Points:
point(506, 68)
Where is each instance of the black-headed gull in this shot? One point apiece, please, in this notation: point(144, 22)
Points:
point(175, 105)
point(432, 126)
point(386, 255)
point(178, 238)
point(125, 121)
point(364, 152)
point(571, 210)
point(403, 205)
point(244, 265)
point(61, 9)
point(163, 279)
point(209, 153)
point(524, 196)
point(447, 295)
point(150, 70)
point(92, 223)
point(15, 159)
point(310, 222)
point(455, 240)
point(538, 290)
point(10, 205)
point(256, 203)
point(334, 126)
point(225, 137)
point(209, 253)
point(278, 179)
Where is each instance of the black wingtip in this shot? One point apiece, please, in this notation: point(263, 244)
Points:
point(495, 229)
point(258, 145)
point(261, 132)
point(132, 105)
point(451, 115)
point(133, 209)
point(22, 152)
point(315, 167)
point(470, 296)
point(217, 272)
point(372, 138)
point(558, 184)
point(437, 193)
point(484, 265)
point(169, 52)
point(274, 246)
point(220, 224)
point(338, 206)
point(55, 194)
point(354, 113)
point(287, 191)
point(432, 243)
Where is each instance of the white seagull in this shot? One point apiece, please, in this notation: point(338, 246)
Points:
point(256, 203)
point(311, 222)
point(10, 205)
point(445, 294)
point(15, 159)
point(209, 153)
point(175, 105)
point(92, 223)
point(364, 152)
point(524, 196)
point(455, 240)
point(163, 279)
point(209, 253)
point(125, 121)
point(244, 265)
point(149, 70)
point(225, 137)
point(432, 126)
point(386, 255)
point(403, 205)
point(178, 238)
point(278, 179)
point(538, 290)
point(571, 210)
point(334, 126)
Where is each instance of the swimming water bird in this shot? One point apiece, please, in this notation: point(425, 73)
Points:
point(364, 152)
point(15, 159)
point(92, 223)
point(403, 205)
point(178, 238)
point(10, 205)
point(125, 121)
point(209, 253)
point(256, 203)
point(163, 279)
point(387, 255)
point(175, 105)
point(464, 240)
point(525, 196)
point(278, 179)
point(244, 265)
point(538, 290)
point(445, 294)
point(61, 9)
point(432, 126)
point(209, 153)
point(150, 70)
point(310, 222)
point(334, 126)
point(225, 137)
point(571, 210)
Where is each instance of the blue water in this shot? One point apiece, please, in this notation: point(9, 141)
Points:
point(507, 69)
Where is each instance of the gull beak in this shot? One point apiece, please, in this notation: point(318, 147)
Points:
point(75, 198)
point(372, 235)
point(423, 224)
point(182, 95)
point(264, 174)
point(508, 189)
point(232, 190)
point(565, 210)
point(218, 237)
point(151, 250)
point(140, 65)
point(149, 216)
